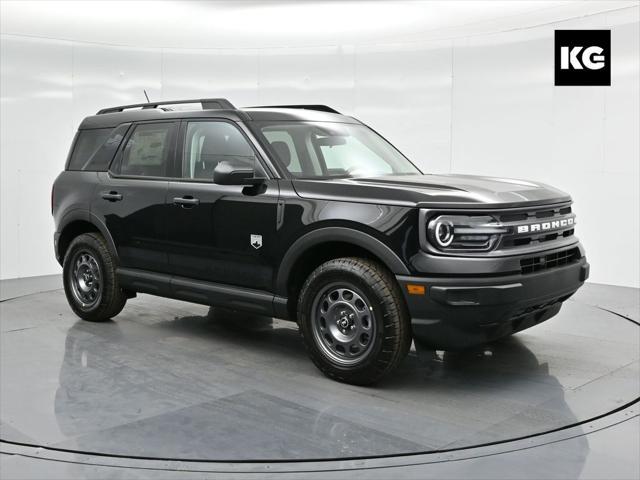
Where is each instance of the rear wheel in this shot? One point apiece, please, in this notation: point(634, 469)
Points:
point(89, 277)
point(353, 320)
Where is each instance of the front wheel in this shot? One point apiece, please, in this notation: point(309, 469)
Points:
point(353, 320)
point(89, 277)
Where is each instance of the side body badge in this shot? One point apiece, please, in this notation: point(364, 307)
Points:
point(256, 241)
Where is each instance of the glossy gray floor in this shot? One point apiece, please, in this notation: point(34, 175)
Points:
point(180, 386)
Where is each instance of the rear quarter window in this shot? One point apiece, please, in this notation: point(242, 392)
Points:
point(94, 149)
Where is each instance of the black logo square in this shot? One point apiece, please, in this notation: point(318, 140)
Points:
point(583, 57)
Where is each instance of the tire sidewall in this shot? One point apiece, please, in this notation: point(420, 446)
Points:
point(310, 291)
point(91, 244)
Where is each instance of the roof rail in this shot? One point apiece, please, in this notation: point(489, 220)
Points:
point(320, 108)
point(207, 104)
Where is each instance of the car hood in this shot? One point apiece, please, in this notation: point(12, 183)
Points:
point(433, 191)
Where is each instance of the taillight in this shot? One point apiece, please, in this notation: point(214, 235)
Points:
point(52, 189)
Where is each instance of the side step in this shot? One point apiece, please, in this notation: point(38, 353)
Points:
point(199, 291)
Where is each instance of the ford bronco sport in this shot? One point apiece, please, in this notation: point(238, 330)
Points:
point(302, 213)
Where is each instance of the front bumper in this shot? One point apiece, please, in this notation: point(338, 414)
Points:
point(459, 312)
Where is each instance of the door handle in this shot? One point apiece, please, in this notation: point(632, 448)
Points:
point(112, 196)
point(186, 202)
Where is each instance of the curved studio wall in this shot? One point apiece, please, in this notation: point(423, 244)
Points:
point(479, 104)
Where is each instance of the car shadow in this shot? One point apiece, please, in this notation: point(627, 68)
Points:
point(119, 372)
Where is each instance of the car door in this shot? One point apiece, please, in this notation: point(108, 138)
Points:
point(224, 234)
point(131, 197)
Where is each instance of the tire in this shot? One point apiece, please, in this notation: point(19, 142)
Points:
point(347, 341)
point(90, 282)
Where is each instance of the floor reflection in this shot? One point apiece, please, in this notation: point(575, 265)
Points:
point(225, 385)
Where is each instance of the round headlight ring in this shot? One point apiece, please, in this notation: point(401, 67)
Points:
point(443, 233)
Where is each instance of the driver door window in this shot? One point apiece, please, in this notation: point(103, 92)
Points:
point(209, 143)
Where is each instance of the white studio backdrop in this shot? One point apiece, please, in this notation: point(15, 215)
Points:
point(479, 104)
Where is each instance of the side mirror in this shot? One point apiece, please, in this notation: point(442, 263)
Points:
point(228, 173)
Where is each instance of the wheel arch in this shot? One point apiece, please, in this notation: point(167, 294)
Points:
point(326, 243)
point(76, 223)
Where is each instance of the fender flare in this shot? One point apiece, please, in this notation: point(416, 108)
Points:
point(88, 217)
point(336, 234)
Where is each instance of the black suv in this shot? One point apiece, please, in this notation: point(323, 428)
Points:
point(302, 213)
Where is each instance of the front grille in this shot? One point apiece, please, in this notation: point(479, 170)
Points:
point(543, 216)
point(544, 213)
point(552, 260)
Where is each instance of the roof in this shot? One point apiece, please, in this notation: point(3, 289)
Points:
point(212, 108)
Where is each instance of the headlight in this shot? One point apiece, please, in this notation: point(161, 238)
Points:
point(443, 233)
point(462, 232)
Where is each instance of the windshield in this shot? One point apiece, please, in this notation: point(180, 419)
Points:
point(315, 150)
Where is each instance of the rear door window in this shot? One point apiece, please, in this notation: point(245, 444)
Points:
point(149, 150)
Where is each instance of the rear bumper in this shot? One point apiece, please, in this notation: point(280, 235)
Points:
point(459, 312)
point(56, 250)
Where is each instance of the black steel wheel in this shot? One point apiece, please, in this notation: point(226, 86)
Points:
point(353, 320)
point(343, 323)
point(85, 278)
point(89, 277)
